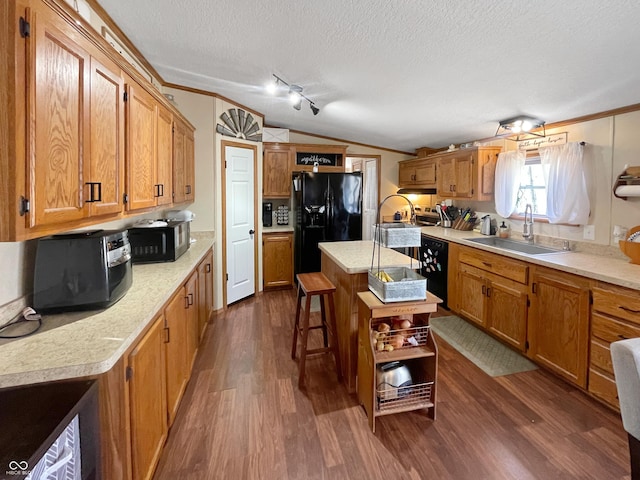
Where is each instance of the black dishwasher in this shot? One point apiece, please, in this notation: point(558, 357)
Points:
point(433, 266)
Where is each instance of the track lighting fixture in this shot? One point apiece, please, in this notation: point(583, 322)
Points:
point(521, 126)
point(295, 94)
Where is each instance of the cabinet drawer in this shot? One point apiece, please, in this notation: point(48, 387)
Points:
point(617, 303)
point(501, 266)
point(603, 387)
point(611, 330)
point(601, 355)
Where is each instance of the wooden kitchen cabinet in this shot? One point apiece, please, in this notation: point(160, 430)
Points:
point(147, 400)
point(141, 147)
point(467, 174)
point(76, 166)
point(163, 188)
point(75, 150)
point(558, 328)
point(615, 315)
point(277, 255)
point(276, 179)
point(419, 173)
point(176, 351)
point(193, 323)
point(183, 163)
point(421, 359)
point(493, 292)
point(205, 291)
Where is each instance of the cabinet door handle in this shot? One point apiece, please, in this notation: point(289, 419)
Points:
point(92, 192)
point(188, 190)
point(623, 337)
point(190, 299)
point(186, 302)
point(533, 287)
point(488, 291)
point(486, 264)
point(627, 309)
point(484, 289)
point(208, 268)
point(167, 335)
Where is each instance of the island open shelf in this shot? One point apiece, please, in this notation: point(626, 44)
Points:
point(417, 351)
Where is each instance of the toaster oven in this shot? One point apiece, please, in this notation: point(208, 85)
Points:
point(82, 271)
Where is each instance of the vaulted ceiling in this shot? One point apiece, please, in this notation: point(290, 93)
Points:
point(399, 75)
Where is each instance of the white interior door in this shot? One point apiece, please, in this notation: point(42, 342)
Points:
point(240, 223)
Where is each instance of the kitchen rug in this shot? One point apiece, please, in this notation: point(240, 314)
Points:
point(487, 353)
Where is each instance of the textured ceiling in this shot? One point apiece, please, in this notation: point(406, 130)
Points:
point(399, 75)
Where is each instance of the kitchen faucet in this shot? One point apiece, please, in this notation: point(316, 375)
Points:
point(527, 228)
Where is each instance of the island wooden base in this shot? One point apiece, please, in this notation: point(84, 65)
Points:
point(346, 305)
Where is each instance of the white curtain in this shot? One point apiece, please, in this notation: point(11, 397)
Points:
point(567, 198)
point(508, 168)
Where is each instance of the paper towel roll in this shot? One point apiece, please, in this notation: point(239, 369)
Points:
point(628, 191)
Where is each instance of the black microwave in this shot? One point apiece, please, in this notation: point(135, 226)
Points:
point(159, 244)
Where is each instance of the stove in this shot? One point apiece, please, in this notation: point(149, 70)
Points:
point(427, 219)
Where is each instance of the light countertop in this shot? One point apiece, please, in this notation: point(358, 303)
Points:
point(355, 256)
point(278, 229)
point(79, 344)
point(592, 265)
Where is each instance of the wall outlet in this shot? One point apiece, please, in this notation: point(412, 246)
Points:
point(589, 232)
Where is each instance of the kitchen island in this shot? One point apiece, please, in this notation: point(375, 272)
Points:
point(346, 265)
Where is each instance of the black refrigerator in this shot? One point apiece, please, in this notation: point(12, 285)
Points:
point(327, 208)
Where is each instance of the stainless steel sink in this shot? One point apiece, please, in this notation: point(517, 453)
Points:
point(506, 244)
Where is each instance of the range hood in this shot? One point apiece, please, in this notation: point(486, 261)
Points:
point(417, 191)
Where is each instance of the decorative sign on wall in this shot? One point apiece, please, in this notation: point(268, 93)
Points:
point(239, 124)
point(323, 159)
point(532, 143)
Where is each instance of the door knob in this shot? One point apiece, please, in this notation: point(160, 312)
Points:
point(251, 232)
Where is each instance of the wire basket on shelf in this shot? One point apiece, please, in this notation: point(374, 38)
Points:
point(396, 284)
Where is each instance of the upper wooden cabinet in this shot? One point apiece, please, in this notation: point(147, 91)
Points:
point(419, 173)
point(468, 173)
point(67, 155)
point(183, 163)
point(141, 147)
point(277, 161)
point(164, 171)
point(75, 132)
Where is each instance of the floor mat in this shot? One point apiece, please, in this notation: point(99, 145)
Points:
point(487, 353)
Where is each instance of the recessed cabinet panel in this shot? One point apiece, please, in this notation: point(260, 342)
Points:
point(59, 88)
point(164, 175)
point(141, 148)
point(105, 185)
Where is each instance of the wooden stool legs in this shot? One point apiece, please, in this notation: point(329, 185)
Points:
point(301, 325)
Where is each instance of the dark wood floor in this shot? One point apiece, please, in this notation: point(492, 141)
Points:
point(243, 417)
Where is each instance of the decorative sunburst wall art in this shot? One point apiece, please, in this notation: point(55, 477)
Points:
point(239, 124)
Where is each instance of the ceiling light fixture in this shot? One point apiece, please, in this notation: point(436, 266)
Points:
point(520, 126)
point(295, 94)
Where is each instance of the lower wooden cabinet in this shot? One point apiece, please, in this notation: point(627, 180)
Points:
point(615, 315)
point(177, 345)
point(193, 323)
point(205, 291)
point(277, 255)
point(496, 303)
point(147, 401)
point(558, 332)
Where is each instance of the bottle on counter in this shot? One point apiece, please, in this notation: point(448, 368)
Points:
point(503, 231)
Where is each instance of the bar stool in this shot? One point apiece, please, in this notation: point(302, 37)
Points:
point(310, 284)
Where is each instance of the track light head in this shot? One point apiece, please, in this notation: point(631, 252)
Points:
point(295, 94)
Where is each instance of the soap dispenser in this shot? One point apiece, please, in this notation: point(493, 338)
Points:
point(503, 231)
